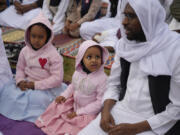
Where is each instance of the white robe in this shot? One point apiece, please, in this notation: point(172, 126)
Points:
point(89, 29)
point(10, 18)
point(59, 18)
point(136, 105)
point(5, 70)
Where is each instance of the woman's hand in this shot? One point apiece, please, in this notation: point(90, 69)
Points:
point(60, 99)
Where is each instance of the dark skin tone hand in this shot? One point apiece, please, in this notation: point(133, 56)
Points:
point(21, 9)
point(73, 26)
point(107, 121)
point(71, 115)
point(130, 129)
point(108, 125)
point(24, 85)
point(60, 99)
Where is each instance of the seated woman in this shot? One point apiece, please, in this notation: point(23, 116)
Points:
point(21, 13)
point(78, 12)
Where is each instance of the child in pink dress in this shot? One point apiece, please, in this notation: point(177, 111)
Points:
point(81, 101)
point(39, 75)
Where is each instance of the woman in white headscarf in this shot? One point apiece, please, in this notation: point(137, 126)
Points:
point(5, 70)
point(156, 55)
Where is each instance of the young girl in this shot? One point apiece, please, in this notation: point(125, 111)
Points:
point(39, 75)
point(81, 101)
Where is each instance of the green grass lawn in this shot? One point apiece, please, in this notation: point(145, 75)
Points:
point(69, 67)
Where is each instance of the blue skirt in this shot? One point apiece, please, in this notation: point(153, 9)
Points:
point(26, 105)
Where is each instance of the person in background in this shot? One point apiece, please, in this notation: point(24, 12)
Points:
point(55, 10)
point(175, 12)
point(20, 13)
point(3, 5)
point(78, 12)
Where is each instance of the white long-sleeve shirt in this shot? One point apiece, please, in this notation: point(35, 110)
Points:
point(137, 101)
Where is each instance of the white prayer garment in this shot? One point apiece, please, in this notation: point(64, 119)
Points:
point(10, 18)
point(158, 55)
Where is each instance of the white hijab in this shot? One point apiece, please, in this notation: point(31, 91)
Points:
point(150, 53)
point(5, 70)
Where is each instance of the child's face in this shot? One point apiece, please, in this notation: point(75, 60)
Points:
point(92, 58)
point(38, 36)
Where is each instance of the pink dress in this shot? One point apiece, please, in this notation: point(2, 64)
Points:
point(83, 96)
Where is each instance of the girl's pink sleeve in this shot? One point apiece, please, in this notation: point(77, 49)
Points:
point(56, 71)
point(94, 107)
point(20, 67)
point(68, 92)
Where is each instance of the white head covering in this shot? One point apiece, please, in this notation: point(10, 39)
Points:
point(5, 70)
point(150, 53)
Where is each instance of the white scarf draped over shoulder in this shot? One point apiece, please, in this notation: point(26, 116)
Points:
point(159, 39)
point(5, 70)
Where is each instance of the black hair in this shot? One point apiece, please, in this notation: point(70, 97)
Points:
point(48, 31)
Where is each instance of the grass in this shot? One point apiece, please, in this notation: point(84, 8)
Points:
point(69, 67)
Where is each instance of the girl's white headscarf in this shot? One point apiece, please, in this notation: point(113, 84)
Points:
point(150, 53)
point(5, 70)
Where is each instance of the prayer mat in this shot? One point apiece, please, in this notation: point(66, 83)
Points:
point(13, 127)
point(11, 35)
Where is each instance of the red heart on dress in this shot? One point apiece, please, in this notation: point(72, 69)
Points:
point(42, 62)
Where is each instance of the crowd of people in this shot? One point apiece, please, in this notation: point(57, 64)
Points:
point(141, 96)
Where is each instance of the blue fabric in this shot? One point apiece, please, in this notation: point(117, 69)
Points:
point(7, 3)
point(26, 105)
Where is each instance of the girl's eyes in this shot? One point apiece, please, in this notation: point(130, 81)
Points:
point(88, 57)
point(96, 57)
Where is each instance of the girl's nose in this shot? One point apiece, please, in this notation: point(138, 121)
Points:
point(125, 21)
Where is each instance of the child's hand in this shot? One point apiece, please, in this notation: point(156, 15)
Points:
point(22, 85)
point(71, 115)
point(60, 99)
point(30, 85)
